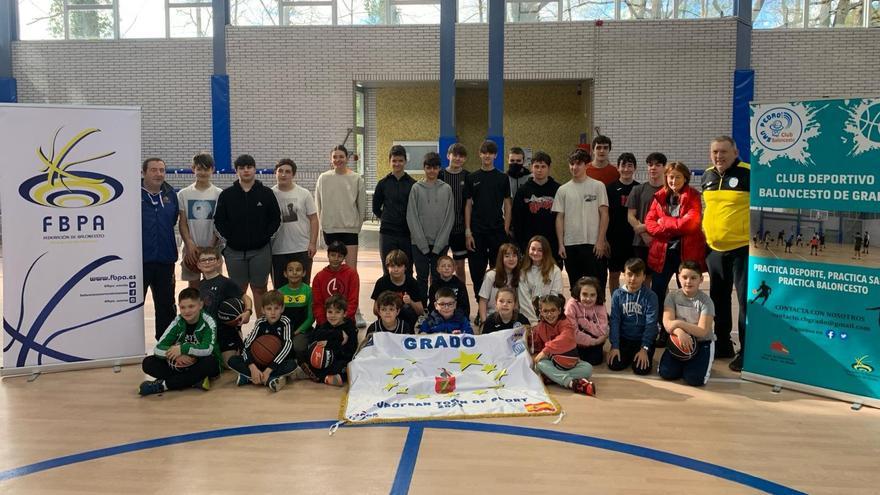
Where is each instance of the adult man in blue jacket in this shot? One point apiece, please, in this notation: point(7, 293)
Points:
point(159, 209)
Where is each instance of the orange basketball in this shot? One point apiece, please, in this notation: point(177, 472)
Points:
point(264, 349)
point(683, 350)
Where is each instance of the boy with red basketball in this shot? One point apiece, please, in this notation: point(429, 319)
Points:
point(688, 316)
point(187, 353)
point(333, 344)
point(256, 364)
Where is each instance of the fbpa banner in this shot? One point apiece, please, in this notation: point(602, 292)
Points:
point(71, 236)
point(407, 377)
point(814, 307)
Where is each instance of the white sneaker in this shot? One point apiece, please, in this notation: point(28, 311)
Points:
point(278, 383)
point(359, 320)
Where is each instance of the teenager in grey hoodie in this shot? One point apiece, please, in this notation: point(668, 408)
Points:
point(430, 214)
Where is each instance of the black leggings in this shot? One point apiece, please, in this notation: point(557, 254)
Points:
point(184, 378)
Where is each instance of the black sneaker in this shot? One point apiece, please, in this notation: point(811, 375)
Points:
point(737, 363)
point(150, 387)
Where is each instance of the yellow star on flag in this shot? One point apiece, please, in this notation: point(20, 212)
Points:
point(390, 385)
point(501, 374)
point(464, 359)
point(422, 396)
point(395, 372)
point(403, 390)
point(489, 368)
point(480, 392)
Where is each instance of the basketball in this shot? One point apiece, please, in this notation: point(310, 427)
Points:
point(677, 347)
point(319, 356)
point(229, 310)
point(264, 349)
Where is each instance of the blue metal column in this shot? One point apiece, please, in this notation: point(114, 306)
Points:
point(8, 34)
point(743, 78)
point(447, 78)
point(220, 115)
point(496, 78)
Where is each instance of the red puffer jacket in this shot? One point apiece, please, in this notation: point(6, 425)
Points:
point(686, 226)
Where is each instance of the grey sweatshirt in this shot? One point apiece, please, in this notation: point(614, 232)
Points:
point(341, 202)
point(430, 214)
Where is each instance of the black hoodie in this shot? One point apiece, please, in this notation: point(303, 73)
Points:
point(247, 220)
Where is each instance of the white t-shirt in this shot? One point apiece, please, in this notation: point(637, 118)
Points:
point(296, 206)
point(199, 207)
point(580, 202)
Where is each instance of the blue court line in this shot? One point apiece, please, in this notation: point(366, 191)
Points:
point(411, 448)
point(408, 457)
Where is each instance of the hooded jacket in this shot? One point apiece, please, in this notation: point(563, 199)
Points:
point(664, 227)
point(633, 316)
point(533, 214)
point(518, 175)
point(247, 220)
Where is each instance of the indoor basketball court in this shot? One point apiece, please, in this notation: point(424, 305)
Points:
point(89, 432)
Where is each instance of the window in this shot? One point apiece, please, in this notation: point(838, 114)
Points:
point(835, 13)
point(587, 10)
point(416, 13)
point(532, 11)
point(192, 19)
point(139, 19)
point(779, 13)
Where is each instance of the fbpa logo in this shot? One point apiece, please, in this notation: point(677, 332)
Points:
point(862, 365)
point(59, 187)
point(779, 129)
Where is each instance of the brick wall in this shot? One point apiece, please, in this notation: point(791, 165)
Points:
point(169, 79)
point(657, 85)
point(815, 63)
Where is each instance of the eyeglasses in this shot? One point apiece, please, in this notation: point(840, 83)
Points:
point(445, 304)
point(207, 260)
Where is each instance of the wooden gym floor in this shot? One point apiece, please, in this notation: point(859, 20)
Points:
point(89, 432)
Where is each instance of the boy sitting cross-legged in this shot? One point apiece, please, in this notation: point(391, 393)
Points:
point(273, 322)
point(187, 353)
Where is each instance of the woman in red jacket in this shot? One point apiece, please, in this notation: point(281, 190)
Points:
point(674, 223)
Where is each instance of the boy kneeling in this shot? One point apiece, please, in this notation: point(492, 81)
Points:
point(187, 353)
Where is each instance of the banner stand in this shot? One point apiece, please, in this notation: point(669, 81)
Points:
point(79, 365)
point(809, 389)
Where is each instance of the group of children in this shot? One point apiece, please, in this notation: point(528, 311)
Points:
point(566, 339)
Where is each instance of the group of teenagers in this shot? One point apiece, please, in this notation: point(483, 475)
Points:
point(599, 225)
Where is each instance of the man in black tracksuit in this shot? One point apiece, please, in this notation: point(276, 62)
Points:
point(247, 217)
point(389, 205)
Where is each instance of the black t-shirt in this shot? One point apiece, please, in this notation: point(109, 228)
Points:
point(462, 301)
point(216, 290)
point(494, 323)
point(487, 189)
point(619, 229)
point(409, 286)
point(402, 327)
